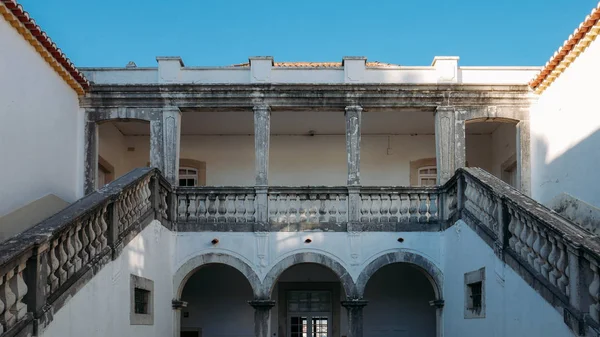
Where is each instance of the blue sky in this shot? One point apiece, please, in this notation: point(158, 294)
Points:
point(219, 32)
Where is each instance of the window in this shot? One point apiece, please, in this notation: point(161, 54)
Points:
point(475, 294)
point(188, 176)
point(142, 301)
point(141, 298)
point(427, 176)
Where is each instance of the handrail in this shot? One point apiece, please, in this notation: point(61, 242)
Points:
point(39, 265)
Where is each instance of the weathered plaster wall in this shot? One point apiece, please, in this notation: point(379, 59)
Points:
point(504, 145)
point(512, 307)
point(39, 129)
point(101, 308)
point(565, 133)
point(112, 146)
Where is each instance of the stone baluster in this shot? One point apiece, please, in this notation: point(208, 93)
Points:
point(302, 208)
point(562, 265)
point(365, 209)
point(394, 207)
point(240, 208)
point(69, 267)
point(19, 288)
point(530, 240)
point(524, 235)
point(343, 208)
point(163, 203)
point(293, 208)
point(85, 241)
point(512, 228)
point(61, 273)
point(537, 249)
point(212, 208)
point(554, 273)
point(385, 207)
point(544, 253)
point(594, 290)
point(2, 305)
point(9, 299)
point(423, 207)
point(78, 245)
point(97, 231)
point(201, 198)
point(273, 208)
point(221, 208)
point(323, 214)
point(283, 209)
point(404, 216)
point(433, 207)
point(375, 207)
point(312, 210)
point(413, 208)
point(250, 209)
point(230, 208)
point(103, 237)
point(192, 208)
point(91, 248)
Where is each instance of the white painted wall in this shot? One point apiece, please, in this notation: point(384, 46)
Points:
point(513, 308)
point(479, 151)
point(101, 308)
point(40, 126)
point(565, 133)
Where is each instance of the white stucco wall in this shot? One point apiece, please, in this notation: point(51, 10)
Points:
point(40, 126)
point(504, 146)
point(565, 133)
point(112, 147)
point(512, 307)
point(101, 308)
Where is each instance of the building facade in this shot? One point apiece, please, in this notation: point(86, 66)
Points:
point(288, 199)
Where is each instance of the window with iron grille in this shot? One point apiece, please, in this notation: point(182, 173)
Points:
point(475, 294)
point(141, 298)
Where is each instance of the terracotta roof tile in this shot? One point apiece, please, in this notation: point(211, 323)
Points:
point(26, 26)
point(568, 52)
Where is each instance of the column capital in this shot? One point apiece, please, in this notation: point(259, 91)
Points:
point(178, 304)
point(444, 108)
point(354, 303)
point(261, 108)
point(262, 304)
point(354, 108)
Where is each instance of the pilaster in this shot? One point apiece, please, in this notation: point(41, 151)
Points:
point(91, 157)
point(165, 133)
point(262, 137)
point(353, 123)
point(355, 316)
point(523, 157)
point(262, 317)
point(449, 142)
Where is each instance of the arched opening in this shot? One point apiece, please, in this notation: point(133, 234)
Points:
point(217, 298)
point(491, 144)
point(122, 146)
point(398, 296)
point(308, 302)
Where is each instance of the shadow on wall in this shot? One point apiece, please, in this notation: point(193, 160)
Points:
point(575, 171)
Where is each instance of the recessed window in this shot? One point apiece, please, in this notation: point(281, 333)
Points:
point(475, 294)
point(188, 177)
point(427, 176)
point(142, 301)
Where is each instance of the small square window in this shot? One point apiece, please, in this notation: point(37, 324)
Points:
point(141, 298)
point(142, 301)
point(475, 294)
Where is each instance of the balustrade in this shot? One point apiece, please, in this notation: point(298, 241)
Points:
point(12, 291)
point(399, 205)
point(307, 205)
point(216, 205)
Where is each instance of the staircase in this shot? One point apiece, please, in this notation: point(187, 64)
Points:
point(43, 267)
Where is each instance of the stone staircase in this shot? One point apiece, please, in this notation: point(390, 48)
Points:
point(43, 267)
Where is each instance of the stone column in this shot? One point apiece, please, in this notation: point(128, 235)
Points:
point(523, 158)
point(449, 142)
point(91, 157)
point(165, 133)
point(262, 137)
point(355, 316)
point(353, 122)
point(439, 318)
point(262, 317)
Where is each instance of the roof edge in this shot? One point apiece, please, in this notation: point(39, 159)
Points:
point(20, 20)
point(568, 52)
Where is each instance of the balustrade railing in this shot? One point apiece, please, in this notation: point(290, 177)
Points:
point(404, 205)
point(38, 266)
point(208, 204)
point(310, 205)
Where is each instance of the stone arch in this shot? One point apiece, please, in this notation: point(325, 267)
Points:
point(192, 265)
point(424, 265)
point(309, 257)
